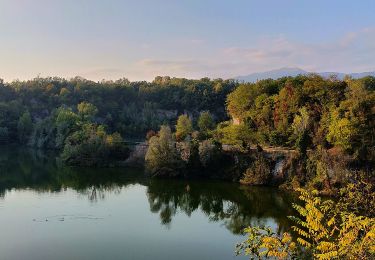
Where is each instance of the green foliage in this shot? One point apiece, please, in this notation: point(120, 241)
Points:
point(264, 242)
point(352, 121)
point(206, 123)
point(277, 138)
point(287, 104)
point(66, 122)
point(130, 108)
point(86, 110)
point(327, 171)
point(238, 135)
point(307, 111)
point(92, 146)
point(117, 151)
point(240, 101)
point(24, 127)
point(301, 121)
point(340, 113)
point(300, 127)
point(358, 197)
point(323, 228)
point(301, 112)
point(10, 112)
point(162, 158)
point(329, 232)
point(44, 134)
point(341, 133)
point(189, 158)
point(259, 173)
point(184, 127)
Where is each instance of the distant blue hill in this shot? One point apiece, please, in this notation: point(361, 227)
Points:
point(292, 72)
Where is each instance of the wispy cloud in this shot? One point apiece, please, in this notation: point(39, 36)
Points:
point(348, 53)
point(353, 52)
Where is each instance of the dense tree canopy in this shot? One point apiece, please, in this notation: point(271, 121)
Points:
point(130, 108)
point(303, 112)
point(184, 127)
point(306, 111)
point(162, 157)
point(206, 122)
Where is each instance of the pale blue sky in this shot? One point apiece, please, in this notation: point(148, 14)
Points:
point(140, 39)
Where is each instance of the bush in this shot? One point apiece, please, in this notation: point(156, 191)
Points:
point(162, 158)
point(324, 231)
point(276, 138)
point(240, 136)
point(259, 173)
point(92, 146)
point(184, 127)
point(205, 123)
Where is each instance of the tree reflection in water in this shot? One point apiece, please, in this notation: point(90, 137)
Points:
point(233, 205)
point(40, 172)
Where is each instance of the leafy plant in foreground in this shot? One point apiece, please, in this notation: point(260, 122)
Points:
point(322, 229)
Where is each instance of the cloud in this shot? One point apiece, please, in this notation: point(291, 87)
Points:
point(355, 51)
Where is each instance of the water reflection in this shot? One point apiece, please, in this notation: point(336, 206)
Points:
point(40, 171)
point(232, 205)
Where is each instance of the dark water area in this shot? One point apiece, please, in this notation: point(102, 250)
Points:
point(52, 212)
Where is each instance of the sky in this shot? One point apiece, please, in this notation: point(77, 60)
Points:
point(141, 39)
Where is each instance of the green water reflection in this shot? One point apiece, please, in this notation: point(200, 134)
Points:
point(56, 212)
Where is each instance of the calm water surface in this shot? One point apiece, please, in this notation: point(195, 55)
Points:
point(52, 212)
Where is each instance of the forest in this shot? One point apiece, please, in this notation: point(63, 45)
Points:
point(87, 120)
point(129, 108)
point(307, 134)
point(75, 116)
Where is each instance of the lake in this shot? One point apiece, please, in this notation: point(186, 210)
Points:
point(52, 212)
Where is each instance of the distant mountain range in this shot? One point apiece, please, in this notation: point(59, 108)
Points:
point(285, 72)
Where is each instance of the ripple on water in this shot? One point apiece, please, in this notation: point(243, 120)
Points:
point(65, 217)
